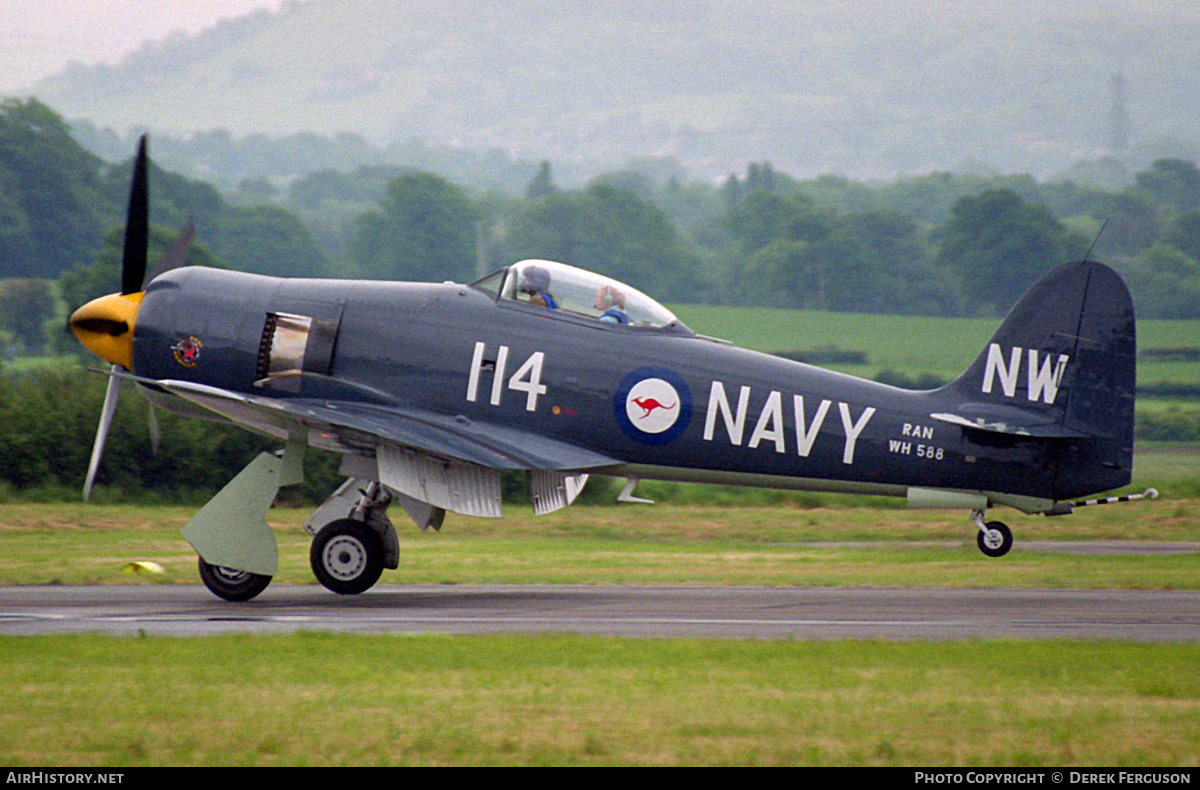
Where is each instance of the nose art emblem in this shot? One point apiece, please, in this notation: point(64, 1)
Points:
point(187, 351)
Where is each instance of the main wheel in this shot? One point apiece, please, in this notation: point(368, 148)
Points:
point(347, 556)
point(231, 584)
point(996, 540)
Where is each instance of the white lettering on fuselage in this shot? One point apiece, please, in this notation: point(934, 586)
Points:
point(917, 431)
point(769, 428)
point(527, 379)
point(1043, 379)
point(929, 451)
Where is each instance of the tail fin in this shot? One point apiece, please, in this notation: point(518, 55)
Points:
point(1062, 366)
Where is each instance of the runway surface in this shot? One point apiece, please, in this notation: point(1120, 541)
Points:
point(721, 612)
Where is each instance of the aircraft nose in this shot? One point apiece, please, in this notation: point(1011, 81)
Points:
point(105, 326)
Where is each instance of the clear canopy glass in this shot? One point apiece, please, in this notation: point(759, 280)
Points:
point(576, 291)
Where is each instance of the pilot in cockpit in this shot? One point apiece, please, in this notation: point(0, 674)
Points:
point(612, 304)
point(535, 281)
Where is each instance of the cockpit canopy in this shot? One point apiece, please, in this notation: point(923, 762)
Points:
point(578, 292)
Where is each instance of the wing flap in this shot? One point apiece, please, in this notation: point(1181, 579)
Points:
point(551, 491)
point(468, 489)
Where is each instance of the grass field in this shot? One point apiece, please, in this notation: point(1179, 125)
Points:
point(341, 699)
point(319, 699)
point(326, 699)
point(912, 345)
point(695, 535)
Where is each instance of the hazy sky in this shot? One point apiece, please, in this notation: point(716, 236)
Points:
point(39, 37)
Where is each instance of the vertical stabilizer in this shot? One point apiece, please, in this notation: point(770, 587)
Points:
point(1062, 366)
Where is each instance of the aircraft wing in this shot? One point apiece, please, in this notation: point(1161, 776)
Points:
point(354, 425)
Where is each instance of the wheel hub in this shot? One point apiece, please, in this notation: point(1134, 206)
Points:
point(993, 538)
point(345, 558)
point(229, 574)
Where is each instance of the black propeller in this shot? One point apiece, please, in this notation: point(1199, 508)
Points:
point(133, 273)
point(175, 255)
point(106, 325)
point(137, 224)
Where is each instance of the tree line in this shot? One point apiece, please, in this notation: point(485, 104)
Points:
point(940, 244)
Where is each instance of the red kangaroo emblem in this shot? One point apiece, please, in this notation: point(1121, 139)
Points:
point(647, 405)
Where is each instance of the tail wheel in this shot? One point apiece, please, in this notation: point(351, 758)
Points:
point(232, 584)
point(347, 556)
point(995, 539)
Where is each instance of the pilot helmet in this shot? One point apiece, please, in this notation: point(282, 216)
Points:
point(609, 296)
point(534, 279)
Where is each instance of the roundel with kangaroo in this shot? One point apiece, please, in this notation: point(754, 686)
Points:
point(653, 405)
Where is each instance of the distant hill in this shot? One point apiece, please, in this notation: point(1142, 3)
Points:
point(864, 89)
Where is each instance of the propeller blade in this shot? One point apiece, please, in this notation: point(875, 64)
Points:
point(137, 224)
point(176, 255)
point(106, 415)
point(133, 274)
point(152, 421)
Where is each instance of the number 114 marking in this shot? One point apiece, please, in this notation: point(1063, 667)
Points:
point(527, 379)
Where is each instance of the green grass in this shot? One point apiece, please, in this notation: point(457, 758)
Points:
point(343, 699)
point(317, 699)
point(751, 537)
point(1175, 466)
point(757, 538)
point(1161, 406)
point(908, 344)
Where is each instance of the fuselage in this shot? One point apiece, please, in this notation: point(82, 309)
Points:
point(662, 401)
point(430, 391)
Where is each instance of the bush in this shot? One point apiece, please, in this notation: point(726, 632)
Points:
point(825, 355)
point(48, 421)
point(925, 381)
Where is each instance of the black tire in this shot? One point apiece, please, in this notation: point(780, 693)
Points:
point(347, 557)
point(230, 584)
point(996, 541)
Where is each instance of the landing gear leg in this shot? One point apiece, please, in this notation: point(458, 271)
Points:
point(994, 538)
point(353, 539)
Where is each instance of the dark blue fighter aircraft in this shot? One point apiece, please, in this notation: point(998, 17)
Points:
point(429, 391)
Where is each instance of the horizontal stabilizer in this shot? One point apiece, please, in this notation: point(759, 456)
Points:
point(1043, 431)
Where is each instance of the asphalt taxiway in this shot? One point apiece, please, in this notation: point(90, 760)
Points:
point(634, 611)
